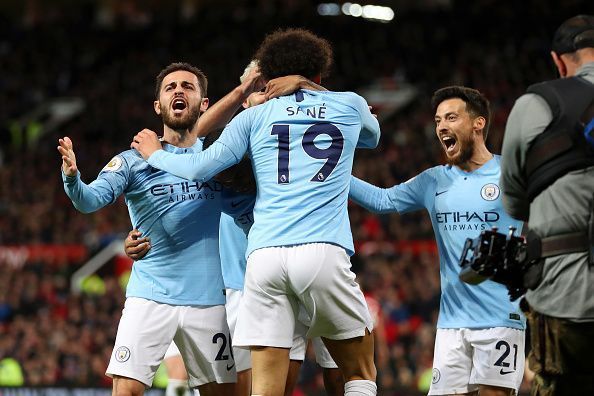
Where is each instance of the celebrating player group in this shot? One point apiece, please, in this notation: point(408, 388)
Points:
point(242, 240)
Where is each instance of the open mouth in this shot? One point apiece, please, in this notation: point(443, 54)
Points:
point(449, 143)
point(178, 105)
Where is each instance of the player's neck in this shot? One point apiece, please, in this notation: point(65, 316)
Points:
point(185, 138)
point(480, 157)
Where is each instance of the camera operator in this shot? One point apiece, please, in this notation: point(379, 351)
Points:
point(547, 179)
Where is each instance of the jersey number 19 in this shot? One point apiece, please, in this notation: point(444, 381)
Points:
point(331, 153)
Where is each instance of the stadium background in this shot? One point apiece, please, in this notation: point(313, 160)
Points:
point(86, 69)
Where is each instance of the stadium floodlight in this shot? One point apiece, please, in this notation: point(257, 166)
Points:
point(356, 10)
point(378, 12)
point(370, 11)
point(329, 9)
point(346, 8)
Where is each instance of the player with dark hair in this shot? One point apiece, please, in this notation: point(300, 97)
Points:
point(302, 149)
point(479, 346)
point(294, 51)
point(176, 291)
point(181, 66)
point(233, 244)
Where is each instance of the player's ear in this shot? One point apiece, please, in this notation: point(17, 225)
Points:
point(479, 123)
point(157, 107)
point(204, 105)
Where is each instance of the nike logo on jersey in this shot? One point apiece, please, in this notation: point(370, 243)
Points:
point(230, 367)
point(505, 372)
point(236, 204)
point(441, 192)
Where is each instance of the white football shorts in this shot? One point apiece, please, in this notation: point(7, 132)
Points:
point(467, 358)
point(323, 357)
point(317, 275)
point(147, 329)
point(242, 357)
point(300, 340)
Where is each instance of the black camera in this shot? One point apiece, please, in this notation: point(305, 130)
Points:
point(496, 256)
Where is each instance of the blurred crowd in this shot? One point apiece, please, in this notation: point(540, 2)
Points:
point(57, 337)
point(108, 53)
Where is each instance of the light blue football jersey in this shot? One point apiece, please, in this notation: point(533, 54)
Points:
point(461, 205)
point(233, 240)
point(179, 216)
point(301, 147)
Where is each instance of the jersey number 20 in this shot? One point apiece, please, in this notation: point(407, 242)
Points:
point(331, 153)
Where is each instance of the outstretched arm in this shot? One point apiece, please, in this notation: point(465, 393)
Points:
point(94, 196)
point(372, 198)
point(414, 194)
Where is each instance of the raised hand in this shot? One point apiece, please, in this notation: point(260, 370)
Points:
point(135, 245)
point(146, 142)
point(251, 79)
point(68, 158)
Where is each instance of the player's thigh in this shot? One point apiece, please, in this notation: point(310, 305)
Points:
point(452, 363)
point(243, 387)
point(216, 389)
point(241, 355)
point(498, 357)
point(175, 366)
point(292, 376)
point(172, 351)
point(321, 277)
point(354, 356)
point(267, 311)
point(205, 343)
point(145, 331)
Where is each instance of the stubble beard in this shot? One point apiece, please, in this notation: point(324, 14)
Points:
point(181, 124)
point(464, 154)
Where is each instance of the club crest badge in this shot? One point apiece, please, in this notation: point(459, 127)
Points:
point(122, 354)
point(436, 376)
point(490, 192)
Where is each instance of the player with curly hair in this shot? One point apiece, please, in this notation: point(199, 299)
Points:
point(302, 148)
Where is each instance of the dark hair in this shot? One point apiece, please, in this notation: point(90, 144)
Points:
point(294, 51)
point(173, 67)
point(575, 33)
point(239, 177)
point(476, 103)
